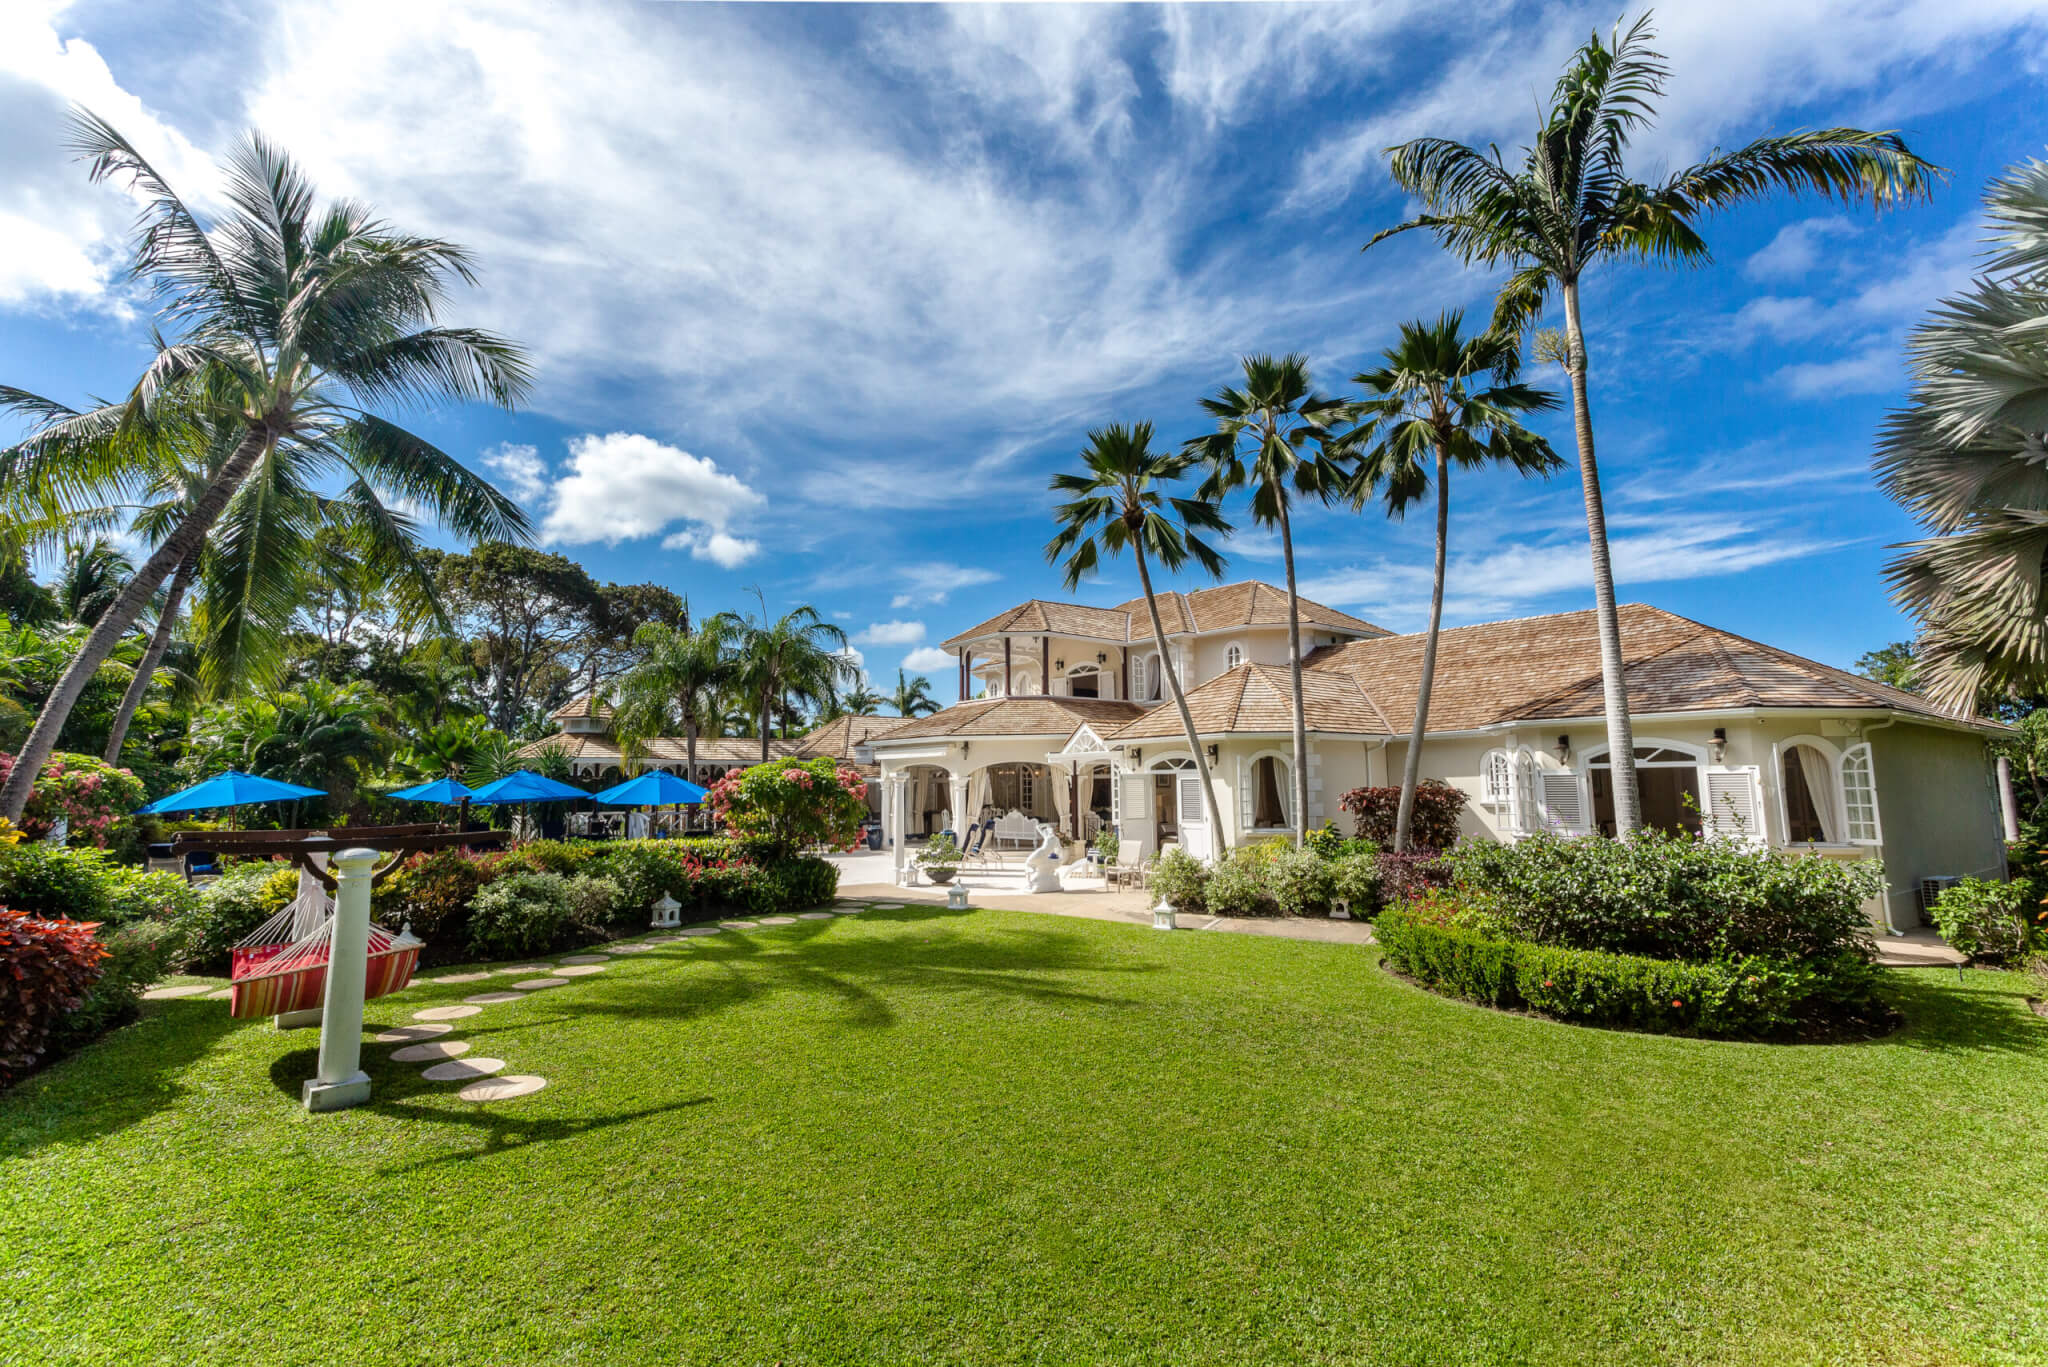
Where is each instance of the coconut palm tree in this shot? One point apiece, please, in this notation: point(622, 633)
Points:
point(675, 682)
point(1273, 436)
point(1965, 457)
point(913, 697)
point(1568, 204)
point(90, 579)
point(1118, 504)
point(291, 320)
point(863, 701)
point(797, 658)
point(1441, 398)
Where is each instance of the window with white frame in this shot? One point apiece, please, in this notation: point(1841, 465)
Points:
point(1152, 678)
point(1827, 797)
point(1496, 779)
point(1233, 657)
point(1270, 791)
point(1859, 796)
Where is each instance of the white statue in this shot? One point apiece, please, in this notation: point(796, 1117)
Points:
point(1042, 865)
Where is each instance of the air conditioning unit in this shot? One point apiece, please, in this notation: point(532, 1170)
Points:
point(1932, 888)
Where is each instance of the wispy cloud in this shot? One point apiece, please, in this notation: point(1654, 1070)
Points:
point(937, 581)
point(890, 634)
point(926, 658)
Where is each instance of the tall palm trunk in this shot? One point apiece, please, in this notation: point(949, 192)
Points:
point(765, 706)
point(1187, 718)
point(159, 641)
point(1300, 822)
point(1411, 764)
point(117, 619)
point(1621, 748)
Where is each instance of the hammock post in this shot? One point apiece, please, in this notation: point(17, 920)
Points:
point(341, 1081)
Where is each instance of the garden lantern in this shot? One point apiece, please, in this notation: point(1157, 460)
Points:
point(667, 913)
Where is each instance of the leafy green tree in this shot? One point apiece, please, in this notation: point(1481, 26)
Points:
point(798, 657)
point(527, 616)
point(1438, 399)
point(913, 697)
point(1569, 204)
point(1895, 664)
point(291, 321)
point(1117, 504)
point(1274, 436)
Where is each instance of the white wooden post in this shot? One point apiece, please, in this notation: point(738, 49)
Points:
point(899, 824)
point(2008, 809)
point(341, 1081)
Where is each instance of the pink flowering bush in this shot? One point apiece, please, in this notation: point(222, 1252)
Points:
point(794, 802)
point(90, 795)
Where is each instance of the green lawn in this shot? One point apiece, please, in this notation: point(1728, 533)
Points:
point(920, 1136)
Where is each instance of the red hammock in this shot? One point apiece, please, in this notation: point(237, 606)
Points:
point(282, 965)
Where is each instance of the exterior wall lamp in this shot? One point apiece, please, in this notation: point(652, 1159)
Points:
point(1059, 664)
point(1211, 749)
point(1137, 756)
point(1563, 750)
point(1101, 657)
point(1717, 749)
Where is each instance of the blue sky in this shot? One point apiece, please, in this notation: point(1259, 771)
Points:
point(821, 296)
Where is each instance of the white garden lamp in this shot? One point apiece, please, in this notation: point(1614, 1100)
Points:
point(667, 913)
point(341, 1081)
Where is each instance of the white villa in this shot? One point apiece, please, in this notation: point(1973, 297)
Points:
point(1072, 728)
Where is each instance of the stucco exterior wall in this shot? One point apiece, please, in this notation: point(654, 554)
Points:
point(1939, 810)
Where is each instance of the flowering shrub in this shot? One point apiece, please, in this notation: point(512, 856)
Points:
point(1434, 824)
point(46, 969)
point(794, 802)
point(89, 795)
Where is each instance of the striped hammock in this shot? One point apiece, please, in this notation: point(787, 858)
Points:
point(281, 966)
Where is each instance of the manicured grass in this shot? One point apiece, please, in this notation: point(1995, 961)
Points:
point(996, 1137)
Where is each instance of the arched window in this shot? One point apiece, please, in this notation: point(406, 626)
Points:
point(1084, 681)
point(1859, 796)
point(1811, 812)
point(1233, 657)
point(1152, 678)
point(1496, 779)
point(1270, 791)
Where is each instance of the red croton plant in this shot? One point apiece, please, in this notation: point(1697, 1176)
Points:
point(1435, 824)
point(46, 968)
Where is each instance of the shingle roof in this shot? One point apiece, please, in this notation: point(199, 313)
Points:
point(726, 751)
point(1037, 715)
point(1257, 698)
point(838, 737)
point(581, 707)
point(1251, 603)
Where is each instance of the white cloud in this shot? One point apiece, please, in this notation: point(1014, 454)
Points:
point(721, 548)
point(1876, 369)
point(926, 658)
point(623, 486)
point(1796, 250)
point(520, 469)
point(891, 634)
point(934, 582)
point(858, 663)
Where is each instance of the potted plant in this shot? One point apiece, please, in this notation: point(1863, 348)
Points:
point(940, 858)
point(1106, 846)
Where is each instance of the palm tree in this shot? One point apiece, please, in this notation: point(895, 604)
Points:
point(1118, 505)
point(1569, 204)
point(1964, 457)
point(91, 579)
point(1262, 434)
point(675, 681)
point(913, 697)
point(798, 657)
point(1441, 398)
point(863, 701)
point(292, 318)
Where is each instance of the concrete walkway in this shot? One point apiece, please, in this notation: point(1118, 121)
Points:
point(1917, 948)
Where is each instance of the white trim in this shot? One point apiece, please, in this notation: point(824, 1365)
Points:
point(1249, 765)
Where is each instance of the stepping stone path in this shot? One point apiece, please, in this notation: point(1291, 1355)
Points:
point(814, 916)
point(446, 1013)
point(630, 949)
point(406, 1034)
point(885, 906)
point(583, 958)
point(159, 994)
point(221, 995)
point(502, 1088)
point(848, 911)
point(579, 970)
point(535, 984)
point(463, 1069)
point(457, 978)
point(778, 920)
point(492, 998)
point(432, 1049)
point(739, 925)
point(700, 930)
point(525, 968)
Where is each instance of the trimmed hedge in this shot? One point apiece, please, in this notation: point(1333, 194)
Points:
point(1750, 996)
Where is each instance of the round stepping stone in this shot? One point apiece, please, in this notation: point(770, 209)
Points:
point(739, 925)
point(535, 984)
point(457, 978)
point(492, 998)
point(222, 995)
point(406, 1034)
point(159, 994)
point(885, 906)
point(778, 920)
point(525, 968)
point(848, 911)
point(447, 1013)
point(583, 958)
point(630, 949)
point(502, 1088)
point(432, 1049)
point(814, 916)
point(462, 1069)
point(700, 930)
point(580, 970)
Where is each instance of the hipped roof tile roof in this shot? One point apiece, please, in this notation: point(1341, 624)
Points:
point(1036, 715)
point(1250, 603)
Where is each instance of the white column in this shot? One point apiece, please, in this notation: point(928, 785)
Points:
point(341, 1081)
point(2008, 809)
point(961, 816)
point(897, 825)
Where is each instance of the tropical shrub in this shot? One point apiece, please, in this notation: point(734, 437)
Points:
point(599, 903)
point(1434, 824)
point(47, 966)
point(1355, 881)
point(135, 895)
point(1237, 887)
point(940, 853)
point(92, 797)
point(1331, 843)
point(49, 881)
point(1410, 874)
point(1671, 896)
point(432, 892)
point(1181, 881)
point(233, 905)
point(646, 869)
point(1108, 845)
point(795, 803)
point(521, 914)
point(791, 885)
point(1987, 920)
point(137, 954)
point(1300, 883)
point(551, 856)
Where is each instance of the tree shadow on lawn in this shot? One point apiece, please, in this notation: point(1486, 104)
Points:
point(803, 959)
point(1985, 1012)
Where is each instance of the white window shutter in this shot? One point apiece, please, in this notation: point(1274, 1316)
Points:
point(1859, 797)
point(1134, 816)
point(1564, 800)
point(1734, 802)
point(1195, 836)
point(1245, 769)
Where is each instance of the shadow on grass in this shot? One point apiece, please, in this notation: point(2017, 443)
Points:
point(1975, 1012)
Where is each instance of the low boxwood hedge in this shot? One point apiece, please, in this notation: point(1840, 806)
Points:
point(1750, 996)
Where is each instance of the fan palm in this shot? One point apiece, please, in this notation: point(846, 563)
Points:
point(798, 657)
point(1441, 399)
point(1966, 456)
point(1274, 436)
point(291, 318)
point(913, 697)
point(1118, 505)
point(674, 682)
point(1569, 204)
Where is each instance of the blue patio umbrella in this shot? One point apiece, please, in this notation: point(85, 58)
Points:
point(448, 791)
point(231, 789)
point(655, 788)
point(525, 786)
